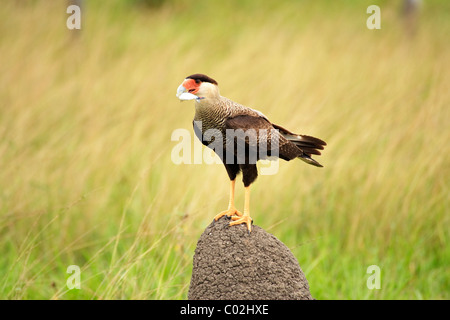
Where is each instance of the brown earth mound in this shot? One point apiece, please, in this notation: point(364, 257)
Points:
point(230, 264)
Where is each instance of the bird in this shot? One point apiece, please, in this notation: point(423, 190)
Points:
point(240, 151)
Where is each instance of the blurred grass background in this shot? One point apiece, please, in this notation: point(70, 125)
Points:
point(86, 176)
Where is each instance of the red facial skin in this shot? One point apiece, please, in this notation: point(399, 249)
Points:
point(191, 86)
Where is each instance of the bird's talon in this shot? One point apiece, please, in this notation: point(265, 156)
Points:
point(244, 219)
point(229, 214)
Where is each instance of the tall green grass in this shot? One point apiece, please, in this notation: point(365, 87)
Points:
point(86, 118)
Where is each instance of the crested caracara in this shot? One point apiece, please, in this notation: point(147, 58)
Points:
point(237, 125)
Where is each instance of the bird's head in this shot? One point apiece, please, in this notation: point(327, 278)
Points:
point(198, 87)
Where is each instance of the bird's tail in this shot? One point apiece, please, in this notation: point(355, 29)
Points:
point(309, 145)
point(304, 157)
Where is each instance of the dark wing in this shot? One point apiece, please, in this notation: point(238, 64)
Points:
point(259, 137)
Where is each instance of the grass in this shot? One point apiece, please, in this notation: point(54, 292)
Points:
point(85, 152)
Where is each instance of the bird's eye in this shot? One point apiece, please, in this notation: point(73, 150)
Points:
point(197, 81)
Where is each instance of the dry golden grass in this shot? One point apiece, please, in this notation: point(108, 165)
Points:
point(85, 152)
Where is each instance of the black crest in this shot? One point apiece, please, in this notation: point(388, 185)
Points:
point(202, 78)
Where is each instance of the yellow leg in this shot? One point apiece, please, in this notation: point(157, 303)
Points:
point(245, 218)
point(231, 208)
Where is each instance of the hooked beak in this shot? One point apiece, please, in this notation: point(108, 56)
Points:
point(183, 94)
